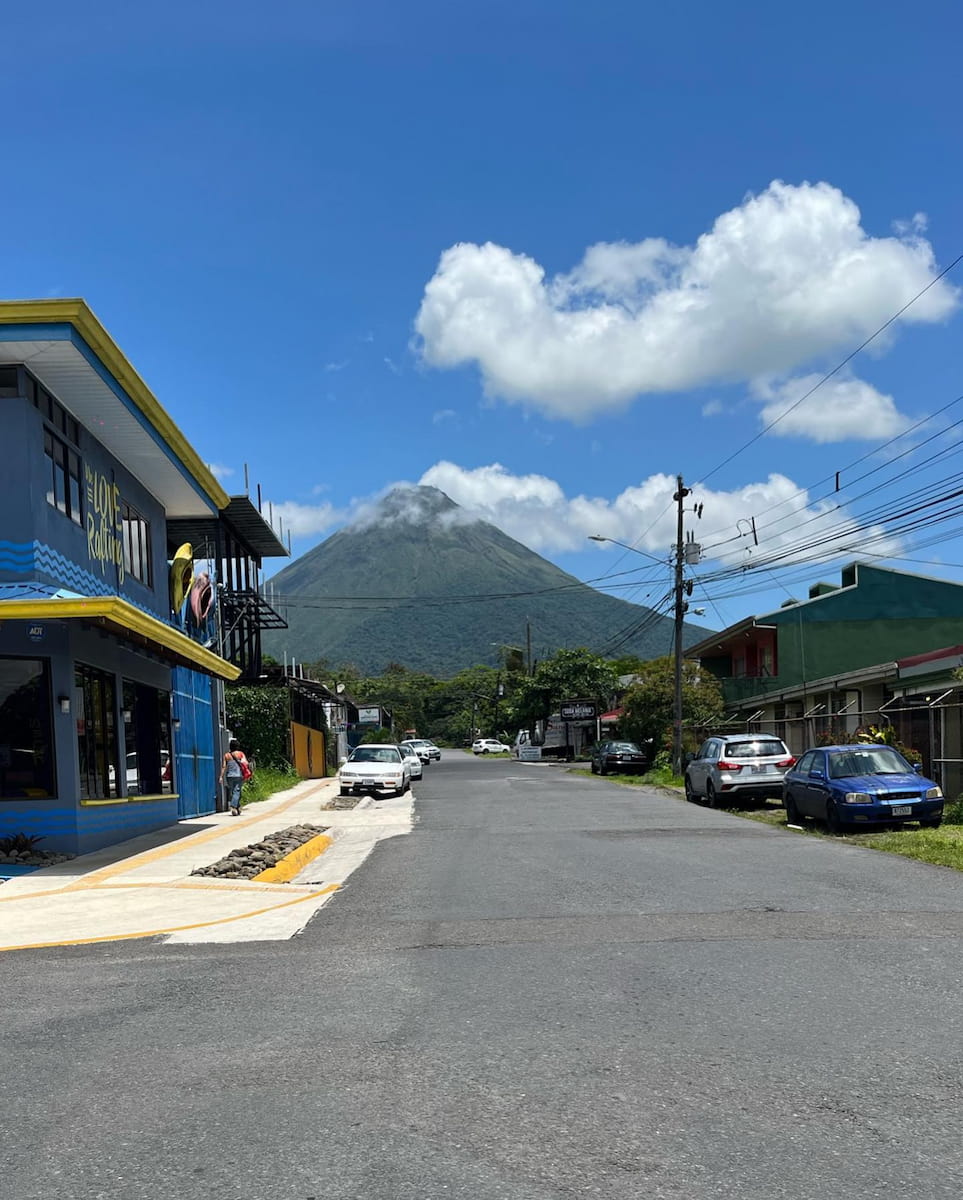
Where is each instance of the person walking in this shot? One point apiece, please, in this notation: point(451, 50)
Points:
point(234, 770)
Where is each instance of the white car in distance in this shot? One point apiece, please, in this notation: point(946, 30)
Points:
point(489, 746)
point(374, 768)
point(413, 759)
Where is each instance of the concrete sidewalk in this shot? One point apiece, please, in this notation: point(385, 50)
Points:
point(144, 887)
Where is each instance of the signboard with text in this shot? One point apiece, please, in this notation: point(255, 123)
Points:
point(578, 710)
point(369, 716)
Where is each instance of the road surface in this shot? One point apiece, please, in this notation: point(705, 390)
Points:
point(553, 987)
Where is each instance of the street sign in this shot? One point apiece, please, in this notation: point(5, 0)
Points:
point(578, 710)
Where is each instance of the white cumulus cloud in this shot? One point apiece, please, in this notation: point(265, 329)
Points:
point(302, 520)
point(219, 471)
point(536, 511)
point(786, 277)
point(842, 408)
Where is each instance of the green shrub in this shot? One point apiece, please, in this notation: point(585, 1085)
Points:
point(266, 781)
point(953, 811)
point(259, 719)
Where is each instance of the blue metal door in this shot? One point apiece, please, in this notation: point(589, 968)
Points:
point(194, 765)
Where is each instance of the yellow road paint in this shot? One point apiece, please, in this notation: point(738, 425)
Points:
point(285, 869)
point(125, 937)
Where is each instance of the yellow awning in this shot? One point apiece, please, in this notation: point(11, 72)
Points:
point(128, 622)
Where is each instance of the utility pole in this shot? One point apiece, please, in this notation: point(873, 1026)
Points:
point(680, 607)
point(528, 644)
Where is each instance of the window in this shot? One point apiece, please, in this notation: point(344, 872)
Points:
point(806, 762)
point(9, 384)
point(147, 740)
point(96, 733)
point(136, 534)
point(63, 477)
point(757, 748)
point(52, 410)
point(26, 740)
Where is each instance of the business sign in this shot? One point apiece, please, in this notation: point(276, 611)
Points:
point(369, 716)
point(35, 632)
point(529, 753)
point(578, 710)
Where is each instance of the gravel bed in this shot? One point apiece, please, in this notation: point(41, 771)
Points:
point(247, 861)
point(342, 802)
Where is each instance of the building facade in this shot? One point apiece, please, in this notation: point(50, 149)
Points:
point(112, 650)
point(869, 651)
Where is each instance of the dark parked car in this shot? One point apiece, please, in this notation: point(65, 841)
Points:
point(623, 758)
point(737, 767)
point(860, 785)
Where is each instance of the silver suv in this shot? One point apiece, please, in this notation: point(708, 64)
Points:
point(737, 768)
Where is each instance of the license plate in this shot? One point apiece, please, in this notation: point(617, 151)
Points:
point(369, 783)
point(901, 810)
point(763, 770)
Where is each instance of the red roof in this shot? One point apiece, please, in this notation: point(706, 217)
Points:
point(611, 716)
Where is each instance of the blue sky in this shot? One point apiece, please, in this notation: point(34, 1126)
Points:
point(534, 253)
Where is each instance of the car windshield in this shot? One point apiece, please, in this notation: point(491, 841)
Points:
point(757, 748)
point(378, 754)
point(877, 761)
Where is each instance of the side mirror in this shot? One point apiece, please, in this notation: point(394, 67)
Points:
point(687, 759)
point(342, 760)
point(918, 768)
point(817, 773)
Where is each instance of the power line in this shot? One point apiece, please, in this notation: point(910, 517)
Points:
point(829, 374)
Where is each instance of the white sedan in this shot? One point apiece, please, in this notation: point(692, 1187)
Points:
point(374, 768)
point(489, 746)
point(411, 756)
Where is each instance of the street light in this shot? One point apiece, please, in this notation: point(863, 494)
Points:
point(597, 537)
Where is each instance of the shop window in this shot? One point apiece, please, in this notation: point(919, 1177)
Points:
point(147, 740)
point(136, 532)
point(96, 733)
point(63, 477)
point(26, 736)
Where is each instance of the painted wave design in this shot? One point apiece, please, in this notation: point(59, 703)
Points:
point(23, 558)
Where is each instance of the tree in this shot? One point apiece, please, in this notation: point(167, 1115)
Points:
point(648, 705)
point(567, 675)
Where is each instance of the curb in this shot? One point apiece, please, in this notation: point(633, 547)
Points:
point(285, 869)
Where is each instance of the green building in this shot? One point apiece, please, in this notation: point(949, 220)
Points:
point(849, 655)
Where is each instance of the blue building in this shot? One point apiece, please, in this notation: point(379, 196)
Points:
point(129, 592)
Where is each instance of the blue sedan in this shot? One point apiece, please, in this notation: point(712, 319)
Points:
point(860, 785)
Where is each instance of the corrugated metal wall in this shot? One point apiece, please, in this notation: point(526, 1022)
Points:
point(307, 746)
point(195, 771)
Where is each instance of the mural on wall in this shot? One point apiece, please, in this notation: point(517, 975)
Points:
point(105, 530)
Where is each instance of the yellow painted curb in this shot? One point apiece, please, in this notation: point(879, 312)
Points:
point(285, 869)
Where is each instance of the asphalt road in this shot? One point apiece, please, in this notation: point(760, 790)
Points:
point(553, 987)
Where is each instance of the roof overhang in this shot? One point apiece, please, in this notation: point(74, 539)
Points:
point(70, 352)
point(123, 619)
point(725, 639)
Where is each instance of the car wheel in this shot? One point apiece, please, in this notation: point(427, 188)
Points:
point(711, 798)
point(932, 823)
point(593, 768)
point(833, 823)
point(689, 793)
point(603, 769)
point(793, 815)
